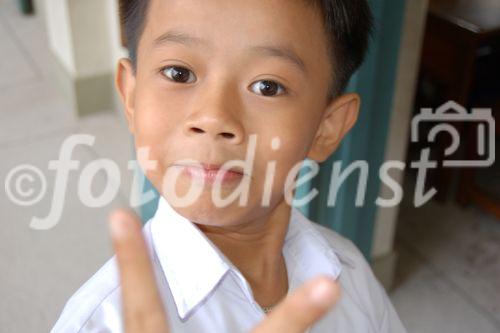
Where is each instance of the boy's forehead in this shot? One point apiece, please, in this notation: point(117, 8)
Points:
point(280, 28)
point(256, 16)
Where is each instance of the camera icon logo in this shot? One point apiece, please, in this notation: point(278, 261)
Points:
point(451, 112)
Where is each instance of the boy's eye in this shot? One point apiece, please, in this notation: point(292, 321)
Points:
point(183, 75)
point(179, 74)
point(268, 88)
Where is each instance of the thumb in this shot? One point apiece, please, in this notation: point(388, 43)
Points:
point(302, 308)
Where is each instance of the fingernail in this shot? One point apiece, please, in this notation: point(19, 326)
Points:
point(323, 293)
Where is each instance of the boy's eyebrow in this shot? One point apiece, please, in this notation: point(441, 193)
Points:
point(284, 52)
point(176, 36)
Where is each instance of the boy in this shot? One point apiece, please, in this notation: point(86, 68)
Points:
point(202, 78)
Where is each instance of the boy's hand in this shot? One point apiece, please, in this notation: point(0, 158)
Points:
point(143, 308)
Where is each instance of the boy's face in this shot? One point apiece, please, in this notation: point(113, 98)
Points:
point(248, 67)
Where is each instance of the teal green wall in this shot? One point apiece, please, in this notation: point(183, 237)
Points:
point(375, 82)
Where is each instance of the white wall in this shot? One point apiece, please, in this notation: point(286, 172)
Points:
point(409, 59)
point(91, 43)
point(117, 51)
point(59, 31)
point(84, 35)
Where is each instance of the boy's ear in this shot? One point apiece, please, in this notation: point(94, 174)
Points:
point(338, 119)
point(125, 84)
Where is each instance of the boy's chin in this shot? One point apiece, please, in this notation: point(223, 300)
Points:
point(206, 212)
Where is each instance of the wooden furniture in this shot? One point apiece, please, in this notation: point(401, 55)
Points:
point(462, 35)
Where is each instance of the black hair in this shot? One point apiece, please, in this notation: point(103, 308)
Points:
point(348, 25)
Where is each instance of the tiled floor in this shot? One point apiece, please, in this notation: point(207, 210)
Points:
point(35, 119)
point(449, 272)
point(448, 277)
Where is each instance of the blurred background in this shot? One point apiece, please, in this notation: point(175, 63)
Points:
point(439, 262)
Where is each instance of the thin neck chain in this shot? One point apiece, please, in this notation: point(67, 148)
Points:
point(267, 309)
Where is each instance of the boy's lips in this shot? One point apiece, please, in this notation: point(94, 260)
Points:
point(208, 172)
point(215, 167)
point(211, 167)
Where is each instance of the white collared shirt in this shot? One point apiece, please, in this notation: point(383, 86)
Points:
point(204, 292)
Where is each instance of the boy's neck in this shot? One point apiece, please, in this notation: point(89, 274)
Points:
point(256, 250)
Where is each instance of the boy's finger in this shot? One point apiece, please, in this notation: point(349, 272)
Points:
point(302, 308)
point(142, 307)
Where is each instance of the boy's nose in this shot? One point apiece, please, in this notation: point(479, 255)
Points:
point(214, 125)
point(214, 128)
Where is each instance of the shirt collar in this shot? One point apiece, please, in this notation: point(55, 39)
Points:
point(191, 263)
point(194, 266)
point(307, 252)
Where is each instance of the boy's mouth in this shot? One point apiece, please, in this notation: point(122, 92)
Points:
point(208, 173)
point(216, 167)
